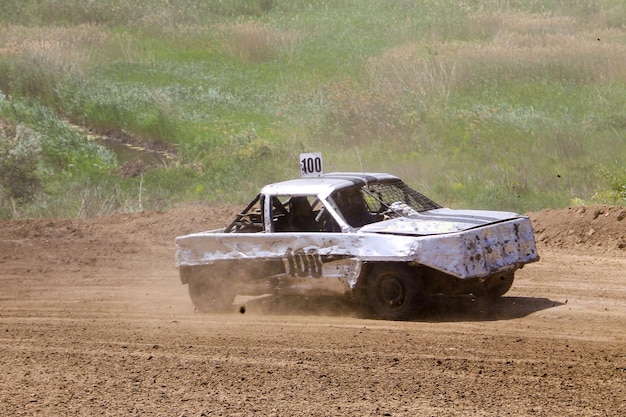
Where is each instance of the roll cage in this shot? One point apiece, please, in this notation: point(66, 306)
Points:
point(344, 208)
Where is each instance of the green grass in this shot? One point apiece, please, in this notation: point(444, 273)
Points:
point(500, 105)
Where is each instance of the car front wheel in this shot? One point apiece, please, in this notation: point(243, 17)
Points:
point(393, 291)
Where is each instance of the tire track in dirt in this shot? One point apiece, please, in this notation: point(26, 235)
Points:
point(93, 320)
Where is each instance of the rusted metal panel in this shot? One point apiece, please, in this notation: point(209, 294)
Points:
point(480, 252)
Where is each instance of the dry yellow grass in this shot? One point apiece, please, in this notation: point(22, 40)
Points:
point(58, 47)
point(507, 47)
point(255, 42)
point(489, 25)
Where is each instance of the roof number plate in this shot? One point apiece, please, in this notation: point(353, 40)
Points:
point(311, 165)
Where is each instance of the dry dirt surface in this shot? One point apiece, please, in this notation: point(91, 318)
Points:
point(94, 321)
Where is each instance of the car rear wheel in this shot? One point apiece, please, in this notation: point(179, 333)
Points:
point(210, 293)
point(498, 285)
point(393, 291)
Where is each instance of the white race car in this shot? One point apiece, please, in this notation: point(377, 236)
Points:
point(366, 235)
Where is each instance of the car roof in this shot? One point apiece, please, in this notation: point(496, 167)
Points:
point(364, 176)
point(324, 185)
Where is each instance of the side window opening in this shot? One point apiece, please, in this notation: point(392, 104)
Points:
point(301, 216)
point(296, 214)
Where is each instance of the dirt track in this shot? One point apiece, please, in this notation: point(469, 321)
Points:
point(93, 321)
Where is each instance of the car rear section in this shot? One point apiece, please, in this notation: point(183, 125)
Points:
point(444, 252)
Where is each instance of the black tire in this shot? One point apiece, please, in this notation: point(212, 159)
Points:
point(495, 286)
point(498, 285)
point(393, 291)
point(210, 293)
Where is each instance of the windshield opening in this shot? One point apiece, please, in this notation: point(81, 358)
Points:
point(395, 198)
point(379, 201)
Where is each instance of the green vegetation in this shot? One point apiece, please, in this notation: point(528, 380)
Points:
point(514, 105)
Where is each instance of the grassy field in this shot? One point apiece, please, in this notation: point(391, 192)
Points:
point(515, 105)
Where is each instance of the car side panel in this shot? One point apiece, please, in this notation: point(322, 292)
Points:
point(473, 253)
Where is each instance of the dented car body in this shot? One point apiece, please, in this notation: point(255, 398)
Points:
point(366, 235)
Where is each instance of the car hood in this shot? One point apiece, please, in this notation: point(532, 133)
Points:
point(439, 221)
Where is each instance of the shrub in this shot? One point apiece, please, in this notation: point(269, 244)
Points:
point(616, 181)
point(20, 149)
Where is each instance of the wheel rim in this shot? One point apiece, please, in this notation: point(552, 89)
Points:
point(391, 291)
